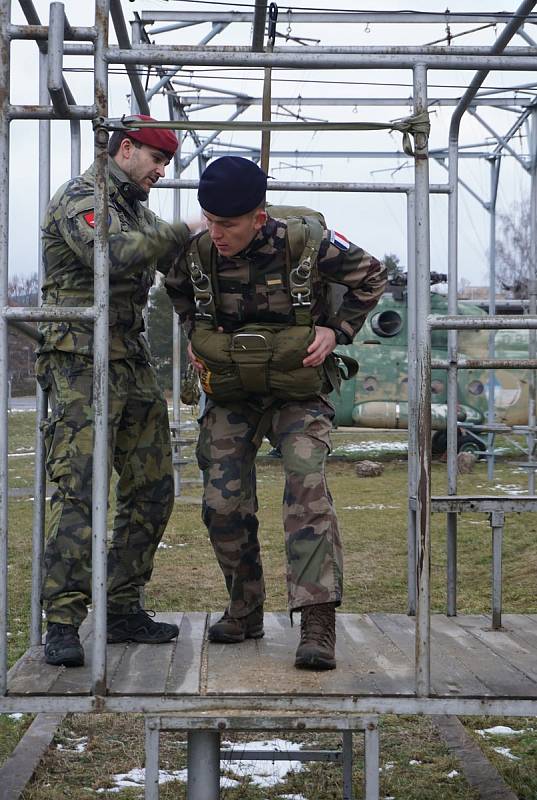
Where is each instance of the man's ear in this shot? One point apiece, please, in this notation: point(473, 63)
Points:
point(260, 218)
point(126, 147)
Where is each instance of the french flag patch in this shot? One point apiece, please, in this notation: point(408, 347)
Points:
point(340, 241)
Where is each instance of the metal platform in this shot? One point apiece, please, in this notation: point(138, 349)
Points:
point(475, 670)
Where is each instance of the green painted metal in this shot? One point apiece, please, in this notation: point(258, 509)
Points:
point(377, 396)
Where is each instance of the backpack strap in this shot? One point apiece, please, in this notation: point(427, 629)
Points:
point(198, 254)
point(304, 237)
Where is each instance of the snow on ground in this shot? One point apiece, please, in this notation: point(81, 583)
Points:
point(501, 730)
point(265, 774)
point(505, 751)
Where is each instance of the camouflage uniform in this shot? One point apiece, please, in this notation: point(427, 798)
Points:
point(139, 440)
point(253, 287)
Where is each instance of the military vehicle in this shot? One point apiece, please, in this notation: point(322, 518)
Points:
point(377, 396)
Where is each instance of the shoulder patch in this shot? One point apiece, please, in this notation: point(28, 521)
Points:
point(340, 241)
point(90, 219)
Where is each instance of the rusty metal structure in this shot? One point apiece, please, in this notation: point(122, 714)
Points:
point(201, 715)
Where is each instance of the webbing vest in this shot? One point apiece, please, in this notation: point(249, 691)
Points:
point(262, 358)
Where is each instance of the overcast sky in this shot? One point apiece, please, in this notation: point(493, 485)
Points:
point(375, 221)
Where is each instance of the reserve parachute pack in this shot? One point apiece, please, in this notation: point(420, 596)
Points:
point(264, 358)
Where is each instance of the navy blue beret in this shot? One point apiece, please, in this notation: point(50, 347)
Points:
point(231, 186)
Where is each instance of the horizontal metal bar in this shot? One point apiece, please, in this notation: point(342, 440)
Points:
point(358, 17)
point(213, 100)
point(254, 125)
point(155, 704)
point(317, 186)
point(40, 32)
point(260, 721)
point(335, 756)
point(454, 504)
point(25, 329)
point(459, 322)
point(486, 363)
point(48, 112)
point(305, 59)
point(220, 150)
point(49, 313)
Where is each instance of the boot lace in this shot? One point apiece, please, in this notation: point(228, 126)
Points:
point(317, 624)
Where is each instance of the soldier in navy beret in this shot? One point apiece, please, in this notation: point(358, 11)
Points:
point(238, 286)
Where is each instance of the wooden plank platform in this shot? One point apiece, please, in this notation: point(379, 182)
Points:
point(375, 659)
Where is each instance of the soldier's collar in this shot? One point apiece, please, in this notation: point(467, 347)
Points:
point(128, 190)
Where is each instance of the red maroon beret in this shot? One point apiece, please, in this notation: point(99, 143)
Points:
point(160, 138)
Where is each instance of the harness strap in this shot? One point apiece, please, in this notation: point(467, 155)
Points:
point(201, 284)
point(300, 276)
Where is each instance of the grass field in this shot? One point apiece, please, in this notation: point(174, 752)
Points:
point(90, 750)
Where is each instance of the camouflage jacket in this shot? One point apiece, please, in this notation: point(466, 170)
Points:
point(253, 285)
point(139, 244)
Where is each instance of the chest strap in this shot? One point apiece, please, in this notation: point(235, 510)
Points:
point(205, 284)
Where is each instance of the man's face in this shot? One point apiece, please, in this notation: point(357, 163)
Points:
point(144, 165)
point(230, 235)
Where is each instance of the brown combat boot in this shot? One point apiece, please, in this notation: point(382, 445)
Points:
point(317, 637)
point(231, 630)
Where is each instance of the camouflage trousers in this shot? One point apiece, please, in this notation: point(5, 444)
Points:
point(140, 452)
point(227, 447)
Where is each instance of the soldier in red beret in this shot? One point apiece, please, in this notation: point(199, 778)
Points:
point(138, 432)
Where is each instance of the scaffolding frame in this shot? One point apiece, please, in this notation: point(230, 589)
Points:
point(59, 37)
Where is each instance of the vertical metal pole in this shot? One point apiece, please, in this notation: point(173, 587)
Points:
point(203, 763)
point(152, 742)
point(38, 526)
point(452, 383)
point(100, 357)
point(5, 12)
point(76, 144)
point(497, 520)
point(423, 389)
point(136, 37)
point(347, 765)
point(371, 761)
point(411, 387)
point(494, 177)
point(176, 330)
point(532, 294)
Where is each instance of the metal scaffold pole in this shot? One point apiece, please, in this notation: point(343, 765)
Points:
point(5, 11)
point(423, 395)
point(100, 358)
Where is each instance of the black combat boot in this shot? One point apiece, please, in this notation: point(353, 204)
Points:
point(231, 630)
point(62, 646)
point(317, 637)
point(137, 626)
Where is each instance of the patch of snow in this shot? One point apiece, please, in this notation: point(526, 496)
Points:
point(371, 506)
point(292, 797)
point(367, 447)
point(500, 730)
point(387, 766)
point(75, 745)
point(414, 763)
point(164, 546)
point(136, 777)
point(264, 774)
point(505, 751)
point(452, 774)
point(16, 716)
point(510, 488)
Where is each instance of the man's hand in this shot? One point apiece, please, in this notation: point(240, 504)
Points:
point(198, 366)
point(321, 347)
